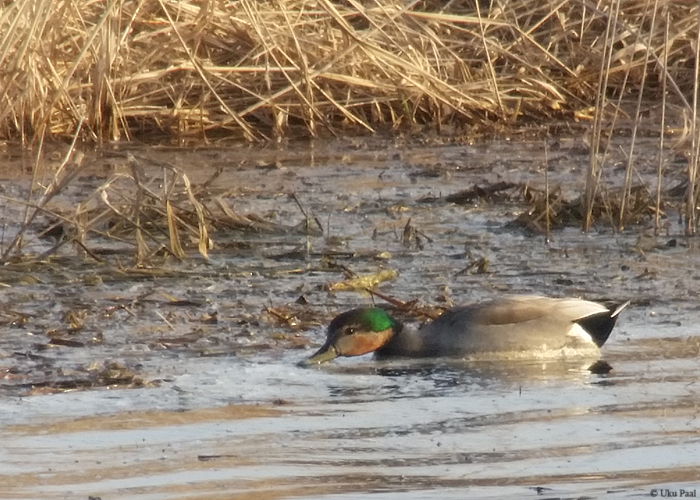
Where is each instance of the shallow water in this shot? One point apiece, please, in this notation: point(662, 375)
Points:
point(224, 411)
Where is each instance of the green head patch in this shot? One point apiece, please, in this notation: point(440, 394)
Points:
point(377, 319)
point(371, 319)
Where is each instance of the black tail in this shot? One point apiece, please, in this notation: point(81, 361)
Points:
point(599, 326)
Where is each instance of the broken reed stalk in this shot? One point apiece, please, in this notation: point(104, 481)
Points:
point(60, 180)
point(203, 242)
point(630, 157)
point(137, 215)
point(489, 62)
point(595, 163)
point(307, 224)
point(662, 126)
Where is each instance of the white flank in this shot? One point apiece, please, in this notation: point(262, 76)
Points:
point(578, 335)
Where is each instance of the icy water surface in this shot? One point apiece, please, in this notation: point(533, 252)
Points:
point(222, 411)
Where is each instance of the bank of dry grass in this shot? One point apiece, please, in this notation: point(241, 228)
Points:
point(99, 71)
point(256, 69)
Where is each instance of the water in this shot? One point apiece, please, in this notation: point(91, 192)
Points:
point(225, 412)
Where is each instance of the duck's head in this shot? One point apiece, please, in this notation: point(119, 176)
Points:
point(354, 333)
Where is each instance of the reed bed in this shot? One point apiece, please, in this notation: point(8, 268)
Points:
point(258, 69)
point(100, 71)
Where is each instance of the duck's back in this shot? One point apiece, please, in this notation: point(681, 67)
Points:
point(511, 324)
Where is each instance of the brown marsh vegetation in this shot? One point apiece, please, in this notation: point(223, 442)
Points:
point(202, 71)
point(103, 71)
point(115, 70)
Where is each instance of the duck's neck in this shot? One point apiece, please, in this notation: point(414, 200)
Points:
point(404, 342)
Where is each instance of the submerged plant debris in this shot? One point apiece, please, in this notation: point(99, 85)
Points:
point(141, 254)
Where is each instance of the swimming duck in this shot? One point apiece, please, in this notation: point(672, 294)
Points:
point(507, 325)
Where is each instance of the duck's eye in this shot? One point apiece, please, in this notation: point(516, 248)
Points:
point(350, 330)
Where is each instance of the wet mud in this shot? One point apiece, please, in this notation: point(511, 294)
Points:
point(178, 379)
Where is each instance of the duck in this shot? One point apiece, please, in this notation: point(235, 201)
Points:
point(512, 324)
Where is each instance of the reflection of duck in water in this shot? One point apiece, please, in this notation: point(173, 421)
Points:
point(520, 326)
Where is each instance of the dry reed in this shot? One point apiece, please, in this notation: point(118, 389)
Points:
point(99, 71)
point(146, 207)
point(260, 69)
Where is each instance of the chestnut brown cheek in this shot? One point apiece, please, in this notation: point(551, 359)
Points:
point(362, 343)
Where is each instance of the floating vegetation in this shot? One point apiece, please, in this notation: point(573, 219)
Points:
point(149, 208)
point(498, 191)
point(363, 283)
point(556, 212)
point(45, 378)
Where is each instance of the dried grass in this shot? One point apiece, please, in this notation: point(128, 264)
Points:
point(146, 209)
point(631, 205)
point(101, 71)
point(260, 69)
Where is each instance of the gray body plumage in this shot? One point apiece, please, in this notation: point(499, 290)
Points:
point(509, 324)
